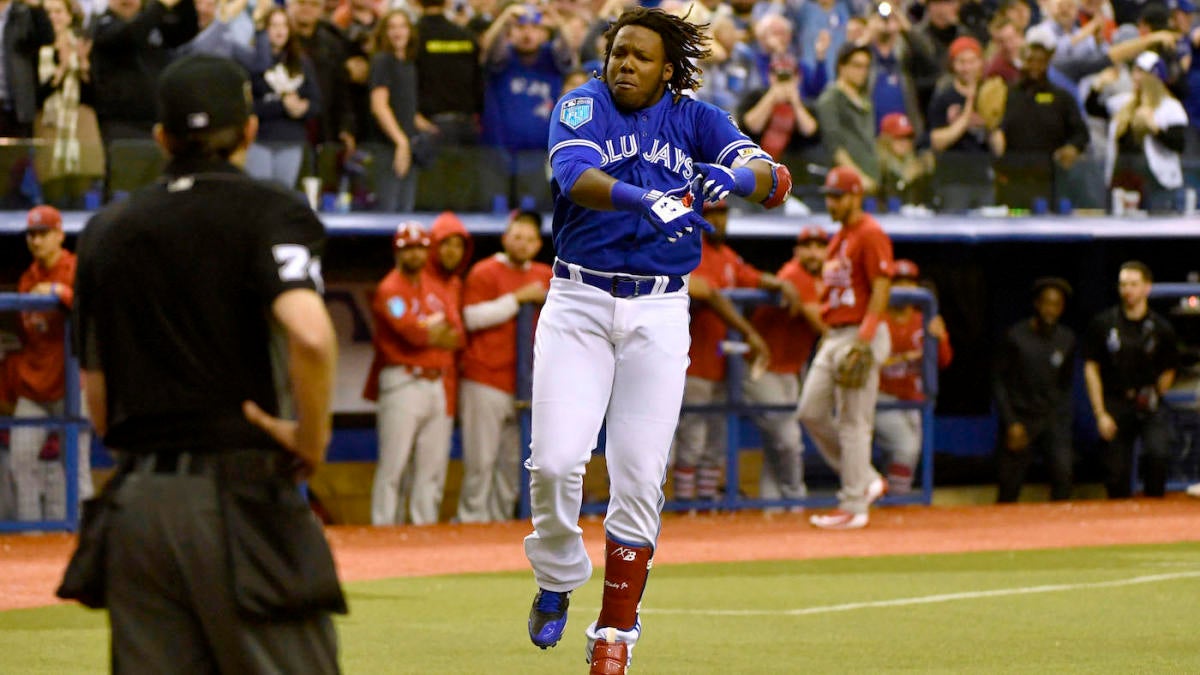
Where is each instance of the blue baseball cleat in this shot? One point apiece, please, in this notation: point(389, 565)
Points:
point(548, 617)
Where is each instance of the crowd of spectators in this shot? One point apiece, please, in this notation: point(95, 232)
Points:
point(1036, 106)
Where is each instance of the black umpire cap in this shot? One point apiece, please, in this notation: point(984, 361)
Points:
point(201, 93)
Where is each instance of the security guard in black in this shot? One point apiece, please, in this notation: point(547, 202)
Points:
point(1130, 355)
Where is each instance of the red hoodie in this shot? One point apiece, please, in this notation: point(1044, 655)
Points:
point(447, 225)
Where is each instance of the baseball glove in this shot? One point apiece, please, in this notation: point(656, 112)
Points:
point(991, 100)
point(855, 366)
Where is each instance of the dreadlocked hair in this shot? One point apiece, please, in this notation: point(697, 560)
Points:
point(683, 42)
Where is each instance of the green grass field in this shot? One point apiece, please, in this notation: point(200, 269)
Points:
point(1130, 609)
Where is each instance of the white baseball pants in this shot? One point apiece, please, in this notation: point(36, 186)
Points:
point(8, 497)
point(702, 437)
point(600, 359)
point(782, 474)
point(898, 435)
point(840, 420)
point(40, 486)
point(491, 442)
point(412, 422)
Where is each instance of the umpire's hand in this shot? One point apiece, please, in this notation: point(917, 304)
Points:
point(284, 433)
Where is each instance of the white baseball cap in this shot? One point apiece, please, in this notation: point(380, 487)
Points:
point(1042, 36)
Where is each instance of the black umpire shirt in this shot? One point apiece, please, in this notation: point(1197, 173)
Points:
point(1131, 354)
point(173, 299)
point(1033, 374)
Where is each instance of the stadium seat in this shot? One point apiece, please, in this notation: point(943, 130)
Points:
point(531, 184)
point(465, 178)
point(132, 164)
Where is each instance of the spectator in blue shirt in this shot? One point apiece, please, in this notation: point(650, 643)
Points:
point(524, 70)
point(730, 71)
point(811, 19)
point(773, 42)
point(891, 84)
point(1191, 102)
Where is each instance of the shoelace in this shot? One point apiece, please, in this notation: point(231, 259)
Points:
point(549, 602)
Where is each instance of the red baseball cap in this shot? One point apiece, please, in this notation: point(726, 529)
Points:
point(43, 218)
point(410, 233)
point(842, 180)
point(905, 269)
point(896, 125)
point(965, 43)
point(811, 233)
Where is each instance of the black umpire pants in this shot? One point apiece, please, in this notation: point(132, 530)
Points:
point(1154, 430)
point(170, 604)
point(1053, 442)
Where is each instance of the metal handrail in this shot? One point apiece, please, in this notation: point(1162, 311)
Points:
point(72, 422)
point(735, 408)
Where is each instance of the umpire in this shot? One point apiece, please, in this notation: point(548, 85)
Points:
point(196, 299)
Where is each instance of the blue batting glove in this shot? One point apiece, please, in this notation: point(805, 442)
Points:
point(718, 181)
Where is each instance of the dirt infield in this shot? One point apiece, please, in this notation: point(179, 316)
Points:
point(30, 566)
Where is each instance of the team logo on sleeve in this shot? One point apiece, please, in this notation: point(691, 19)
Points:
point(395, 307)
point(576, 112)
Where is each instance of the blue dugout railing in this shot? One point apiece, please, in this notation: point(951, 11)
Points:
point(70, 424)
point(737, 409)
point(1182, 402)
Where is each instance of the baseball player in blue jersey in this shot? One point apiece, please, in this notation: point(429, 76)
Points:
point(629, 152)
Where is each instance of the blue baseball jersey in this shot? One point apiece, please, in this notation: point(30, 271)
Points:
point(653, 148)
point(519, 98)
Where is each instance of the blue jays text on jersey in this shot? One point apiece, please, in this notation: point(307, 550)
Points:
point(653, 148)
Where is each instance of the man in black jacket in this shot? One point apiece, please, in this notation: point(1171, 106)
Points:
point(1042, 132)
point(26, 29)
point(1031, 384)
point(449, 75)
point(324, 44)
point(131, 44)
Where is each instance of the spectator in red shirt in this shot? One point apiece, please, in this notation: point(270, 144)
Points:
point(701, 438)
point(790, 335)
point(898, 432)
point(1007, 41)
point(40, 376)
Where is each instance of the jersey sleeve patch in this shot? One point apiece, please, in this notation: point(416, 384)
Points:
point(576, 112)
point(396, 306)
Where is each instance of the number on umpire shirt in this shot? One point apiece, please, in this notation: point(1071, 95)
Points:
point(295, 263)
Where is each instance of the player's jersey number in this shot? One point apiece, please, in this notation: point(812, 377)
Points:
point(296, 263)
point(841, 297)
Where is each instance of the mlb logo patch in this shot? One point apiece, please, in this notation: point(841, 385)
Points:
point(396, 307)
point(576, 112)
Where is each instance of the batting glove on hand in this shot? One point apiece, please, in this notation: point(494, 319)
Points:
point(716, 181)
point(673, 213)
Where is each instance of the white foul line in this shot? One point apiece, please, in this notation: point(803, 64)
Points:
point(929, 599)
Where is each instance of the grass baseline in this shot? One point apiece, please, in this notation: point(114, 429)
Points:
point(1132, 610)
